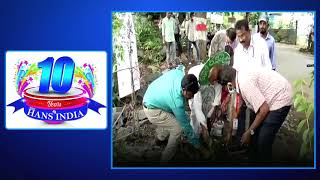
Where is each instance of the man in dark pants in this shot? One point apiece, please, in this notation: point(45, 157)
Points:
point(192, 39)
point(164, 105)
point(269, 95)
point(246, 52)
point(177, 36)
point(266, 134)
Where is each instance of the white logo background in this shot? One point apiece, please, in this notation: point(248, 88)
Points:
point(92, 120)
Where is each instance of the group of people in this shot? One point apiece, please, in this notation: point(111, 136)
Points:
point(171, 34)
point(241, 63)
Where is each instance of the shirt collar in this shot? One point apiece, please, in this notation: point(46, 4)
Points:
point(251, 45)
point(267, 37)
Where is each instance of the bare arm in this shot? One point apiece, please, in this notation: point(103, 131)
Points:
point(260, 117)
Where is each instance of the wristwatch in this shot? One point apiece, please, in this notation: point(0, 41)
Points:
point(251, 132)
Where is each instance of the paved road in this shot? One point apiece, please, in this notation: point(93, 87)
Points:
point(292, 64)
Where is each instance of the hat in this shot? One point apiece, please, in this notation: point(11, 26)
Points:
point(220, 58)
point(264, 18)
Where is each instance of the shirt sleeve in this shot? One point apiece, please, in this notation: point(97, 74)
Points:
point(252, 95)
point(217, 98)
point(273, 56)
point(209, 52)
point(184, 122)
point(174, 25)
point(196, 106)
point(236, 59)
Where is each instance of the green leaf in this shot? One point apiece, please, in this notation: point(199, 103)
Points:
point(302, 107)
point(311, 83)
point(303, 82)
point(309, 111)
point(297, 93)
point(311, 134)
point(153, 68)
point(297, 100)
point(114, 68)
point(311, 78)
point(297, 82)
point(300, 125)
point(305, 135)
point(303, 150)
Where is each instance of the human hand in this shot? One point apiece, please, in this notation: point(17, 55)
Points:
point(246, 137)
point(224, 103)
point(205, 134)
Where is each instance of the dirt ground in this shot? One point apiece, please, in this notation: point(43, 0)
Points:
point(140, 150)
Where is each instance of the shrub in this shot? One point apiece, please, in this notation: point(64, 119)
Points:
point(149, 40)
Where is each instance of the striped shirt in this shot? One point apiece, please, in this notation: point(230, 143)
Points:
point(259, 85)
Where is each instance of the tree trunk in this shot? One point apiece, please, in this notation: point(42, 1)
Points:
point(247, 16)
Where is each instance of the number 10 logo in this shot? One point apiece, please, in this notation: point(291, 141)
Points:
point(59, 74)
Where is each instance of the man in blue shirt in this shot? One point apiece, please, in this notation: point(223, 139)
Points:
point(263, 32)
point(164, 105)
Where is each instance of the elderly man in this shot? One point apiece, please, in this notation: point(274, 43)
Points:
point(263, 32)
point(209, 95)
point(269, 95)
point(221, 39)
point(164, 105)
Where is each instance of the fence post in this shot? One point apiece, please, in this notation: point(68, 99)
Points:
point(295, 42)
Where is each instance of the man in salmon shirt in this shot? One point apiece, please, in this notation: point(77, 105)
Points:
point(269, 95)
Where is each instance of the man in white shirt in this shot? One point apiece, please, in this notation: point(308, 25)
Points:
point(191, 31)
point(168, 29)
point(251, 50)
